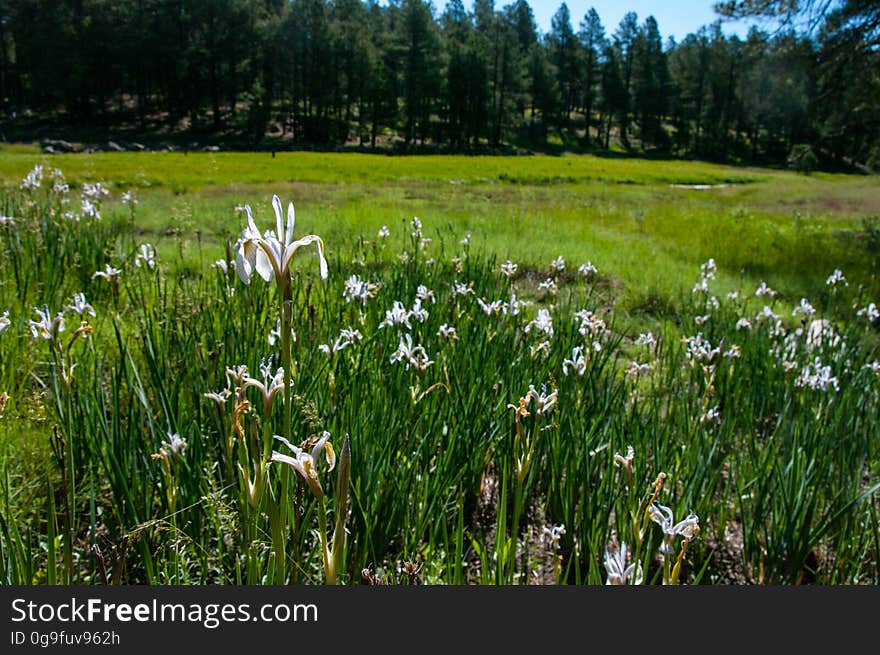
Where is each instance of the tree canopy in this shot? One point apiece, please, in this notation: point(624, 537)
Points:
point(401, 74)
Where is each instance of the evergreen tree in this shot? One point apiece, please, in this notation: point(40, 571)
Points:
point(563, 46)
point(593, 43)
point(625, 39)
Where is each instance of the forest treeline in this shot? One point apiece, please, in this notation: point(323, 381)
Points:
point(334, 72)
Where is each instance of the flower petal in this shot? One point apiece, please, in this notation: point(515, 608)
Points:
point(279, 218)
point(243, 263)
point(264, 265)
point(290, 461)
point(291, 219)
point(324, 445)
point(291, 249)
point(251, 230)
point(296, 450)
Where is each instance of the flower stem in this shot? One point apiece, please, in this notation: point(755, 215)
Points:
point(343, 477)
point(329, 572)
point(286, 321)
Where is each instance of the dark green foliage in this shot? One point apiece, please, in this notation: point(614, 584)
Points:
point(355, 72)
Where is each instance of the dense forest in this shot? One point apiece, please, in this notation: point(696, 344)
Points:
point(404, 74)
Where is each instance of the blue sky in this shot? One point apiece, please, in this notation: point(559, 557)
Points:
point(676, 18)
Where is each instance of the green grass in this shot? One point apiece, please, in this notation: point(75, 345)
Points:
point(442, 474)
point(197, 171)
point(624, 215)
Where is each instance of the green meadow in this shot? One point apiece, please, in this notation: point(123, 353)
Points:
point(458, 399)
point(634, 219)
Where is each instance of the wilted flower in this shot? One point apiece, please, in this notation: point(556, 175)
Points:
point(626, 462)
point(618, 571)
point(688, 528)
point(268, 255)
point(306, 463)
point(172, 448)
point(543, 400)
point(218, 397)
point(236, 375)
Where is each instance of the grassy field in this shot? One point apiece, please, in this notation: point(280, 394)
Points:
point(480, 416)
point(627, 216)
